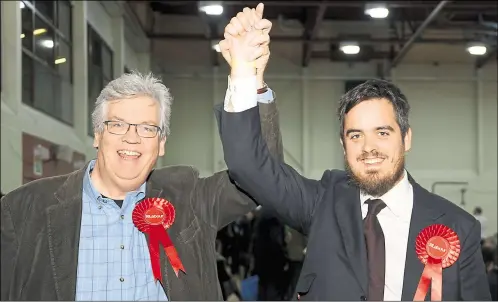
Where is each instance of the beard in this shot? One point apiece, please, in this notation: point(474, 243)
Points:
point(374, 183)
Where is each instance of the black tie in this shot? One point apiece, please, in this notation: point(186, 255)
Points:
point(374, 238)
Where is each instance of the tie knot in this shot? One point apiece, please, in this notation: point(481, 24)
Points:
point(375, 206)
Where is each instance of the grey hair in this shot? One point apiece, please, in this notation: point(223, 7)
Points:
point(131, 85)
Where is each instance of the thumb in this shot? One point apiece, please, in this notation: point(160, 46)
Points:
point(259, 10)
point(224, 49)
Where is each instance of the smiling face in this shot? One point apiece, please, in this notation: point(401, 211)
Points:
point(126, 160)
point(373, 146)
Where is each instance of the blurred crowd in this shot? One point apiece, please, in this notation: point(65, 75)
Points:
point(259, 258)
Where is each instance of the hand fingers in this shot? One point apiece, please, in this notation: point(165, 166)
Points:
point(259, 10)
point(264, 25)
point(258, 52)
point(224, 45)
point(231, 30)
point(260, 39)
point(244, 18)
point(238, 28)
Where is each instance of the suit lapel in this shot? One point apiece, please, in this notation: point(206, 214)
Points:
point(63, 227)
point(423, 215)
point(348, 214)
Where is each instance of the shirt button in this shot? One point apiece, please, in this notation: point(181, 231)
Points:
point(122, 247)
point(121, 279)
point(100, 207)
point(122, 216)
point(105, 201)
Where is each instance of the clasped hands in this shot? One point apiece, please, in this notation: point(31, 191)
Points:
point(246, 44)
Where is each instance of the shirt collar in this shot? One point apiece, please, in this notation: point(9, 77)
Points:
point(398, 200)
point(90, 189)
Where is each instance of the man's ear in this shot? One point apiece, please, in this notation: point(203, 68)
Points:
point(343, 148)
point(162, 147)
point(407, 140)
point(96, 140)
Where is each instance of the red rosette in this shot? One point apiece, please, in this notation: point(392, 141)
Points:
point(154, 216)
point(153, 206)
point(437, 247)
point(438, 242)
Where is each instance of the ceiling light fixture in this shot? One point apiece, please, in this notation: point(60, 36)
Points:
point(60, 61)
point(477, 49)
point(349, 48)
point(376, 11)
point(212, 8)
point(39, 31)
point(47, 43)
point(216, 46)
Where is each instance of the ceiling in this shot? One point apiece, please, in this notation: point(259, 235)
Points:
point(408, 22)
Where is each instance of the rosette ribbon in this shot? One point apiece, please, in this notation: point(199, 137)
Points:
point(437, 247)
point(154, 216)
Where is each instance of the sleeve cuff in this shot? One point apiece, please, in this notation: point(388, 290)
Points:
point(241, 94)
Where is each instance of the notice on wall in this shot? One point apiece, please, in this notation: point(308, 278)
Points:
point(42, 158)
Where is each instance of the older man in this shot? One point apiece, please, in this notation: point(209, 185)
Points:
point(94, 234)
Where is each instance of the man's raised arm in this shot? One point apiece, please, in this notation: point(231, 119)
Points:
point(268, 180)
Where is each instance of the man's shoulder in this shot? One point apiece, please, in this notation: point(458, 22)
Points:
point(40, 191)
point(175, 174)
point(451, 210)
point(334, 176)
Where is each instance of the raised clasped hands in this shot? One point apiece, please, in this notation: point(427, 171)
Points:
point(246, 44)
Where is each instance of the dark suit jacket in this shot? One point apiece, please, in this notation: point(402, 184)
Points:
point(40, 229)
point(328, 212)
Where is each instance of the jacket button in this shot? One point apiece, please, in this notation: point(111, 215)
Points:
point(363, 298)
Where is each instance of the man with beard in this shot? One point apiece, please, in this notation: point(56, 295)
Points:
point(362, 224)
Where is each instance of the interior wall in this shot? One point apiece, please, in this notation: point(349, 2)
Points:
point(453, 113)
point(17, 117)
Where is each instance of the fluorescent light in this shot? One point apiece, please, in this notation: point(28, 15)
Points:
point(212, 8)
point(22, 36)
point(349, 48)
point(39, 31)
point(47, 43)
point(378, 13)
point(376, 10)
point(216, 46)
point(60, 61)
point(21, 4)
point(477, 49)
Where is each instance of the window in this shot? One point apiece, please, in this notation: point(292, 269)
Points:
point(100, 70)
point(47, 65)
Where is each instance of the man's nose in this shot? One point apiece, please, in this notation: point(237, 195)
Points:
point(132, 136)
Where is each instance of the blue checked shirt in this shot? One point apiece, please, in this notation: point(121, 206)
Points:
point(113, 261)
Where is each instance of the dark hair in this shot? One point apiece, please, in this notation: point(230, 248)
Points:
point(376, 89)
point(477, 210)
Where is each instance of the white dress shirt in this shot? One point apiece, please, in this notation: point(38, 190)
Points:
point(395, 222)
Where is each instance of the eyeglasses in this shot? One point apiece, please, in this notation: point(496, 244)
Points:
point(121, 128)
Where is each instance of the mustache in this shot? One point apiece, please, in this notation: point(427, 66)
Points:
point(373, 153)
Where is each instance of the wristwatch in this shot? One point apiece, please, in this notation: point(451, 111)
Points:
point(263, 89)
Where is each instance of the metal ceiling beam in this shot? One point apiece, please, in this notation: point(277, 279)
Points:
point(311, 27)
point(481, 62)
point(406, 47)
point(362, 40)
point(393, 4)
